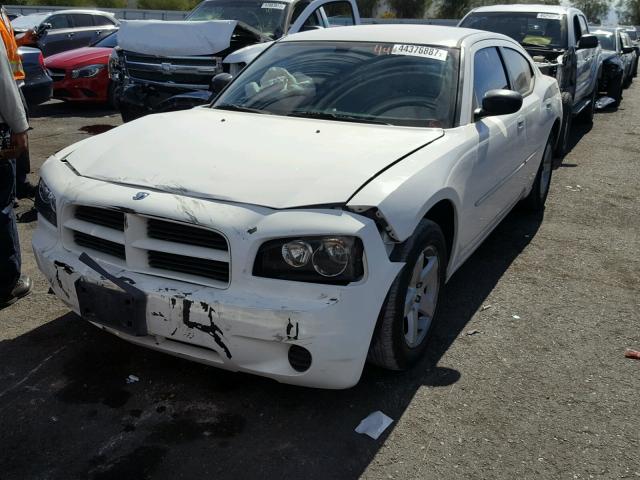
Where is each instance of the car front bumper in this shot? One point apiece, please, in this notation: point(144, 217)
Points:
point(93, 89)
point(248, 325)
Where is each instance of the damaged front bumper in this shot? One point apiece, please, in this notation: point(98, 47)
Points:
point(250, 324)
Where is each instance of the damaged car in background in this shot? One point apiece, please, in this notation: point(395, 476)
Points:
point(559, 41)
point(308, 219)
point(166, 66)
point(618, 61)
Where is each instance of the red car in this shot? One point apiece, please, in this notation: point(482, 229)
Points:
point(81, 75)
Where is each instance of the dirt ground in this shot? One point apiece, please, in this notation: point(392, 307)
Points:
point(525, 378)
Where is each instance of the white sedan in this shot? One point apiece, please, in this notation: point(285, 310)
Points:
point(308, 219)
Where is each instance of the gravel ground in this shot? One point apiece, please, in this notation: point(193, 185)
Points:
point(525, 378)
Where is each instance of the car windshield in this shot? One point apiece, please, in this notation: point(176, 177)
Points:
point(633, 34)
point(542, 30)
point(381, 83)
point(267, 17)
point(29, 21)
point(607, 39)
point(110, 41)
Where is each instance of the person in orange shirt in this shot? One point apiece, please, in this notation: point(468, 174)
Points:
point(24, 189)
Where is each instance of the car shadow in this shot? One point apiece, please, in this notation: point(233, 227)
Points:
point(578, 130)
point(60, 109)
point(67, 408)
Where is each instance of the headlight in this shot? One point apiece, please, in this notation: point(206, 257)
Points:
point(115, 66)
point(89, 71)
point(331, 260)
point(46, 203)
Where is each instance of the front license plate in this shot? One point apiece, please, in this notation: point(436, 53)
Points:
point(115, 308)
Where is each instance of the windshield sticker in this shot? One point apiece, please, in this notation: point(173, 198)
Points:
point(274, 6)
point(550, 16)
point(420, 51)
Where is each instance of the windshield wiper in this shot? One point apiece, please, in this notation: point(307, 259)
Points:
point(240, 108)
point(340, 117)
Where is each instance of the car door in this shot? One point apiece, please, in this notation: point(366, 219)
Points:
point(494, 184)
point(103, 26)
point(584, 59)
point(84, 32)
point(328, 13)
point(627, 58)
point(522, 79)
point(57, 38)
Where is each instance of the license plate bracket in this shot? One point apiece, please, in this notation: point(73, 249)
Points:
point(123, 308)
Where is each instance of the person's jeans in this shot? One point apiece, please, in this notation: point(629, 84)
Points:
point(23, 162)
point(10, 260)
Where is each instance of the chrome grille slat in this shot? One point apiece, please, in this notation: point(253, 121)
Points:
point(100, 216)
point(203, 268)
point(174, 232)
point(99, 244)
point(183, 251)
point(194, 72)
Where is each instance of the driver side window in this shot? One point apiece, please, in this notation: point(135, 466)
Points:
point(312, 21)
point(488, 74)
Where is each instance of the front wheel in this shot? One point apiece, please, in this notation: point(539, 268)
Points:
point(411, 307)
point(536, 199)
point(567, 120)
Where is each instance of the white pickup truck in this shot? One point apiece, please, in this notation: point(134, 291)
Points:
point(157, 61)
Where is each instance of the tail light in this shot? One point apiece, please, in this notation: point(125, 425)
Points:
point(41, 60)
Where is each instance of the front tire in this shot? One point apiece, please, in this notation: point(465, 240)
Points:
point(567, 120)
point(534, 202)
point(411, 307)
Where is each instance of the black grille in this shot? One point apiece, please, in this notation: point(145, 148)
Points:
point(57, 74)
point(193, 266)
point(99, 244)
point(100, 216)
point(188, 235)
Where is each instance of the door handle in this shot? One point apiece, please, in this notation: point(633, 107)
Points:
point(69, 35)
point(520, 124)
point(547, 105)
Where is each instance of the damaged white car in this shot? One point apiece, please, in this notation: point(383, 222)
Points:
point(309, 218)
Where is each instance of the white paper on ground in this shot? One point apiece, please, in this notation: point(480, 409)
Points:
point(166, 39)
point(374, 424)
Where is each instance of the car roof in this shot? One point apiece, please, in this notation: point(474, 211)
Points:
point(526, 8)
point(450, 37)
point(85, 10)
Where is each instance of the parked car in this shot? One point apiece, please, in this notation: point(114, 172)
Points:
point(635, 41)
point(627, 43)
point(309, 218)
point(617, 62)
point(64, 30)
point(151, 65)
point(82, 75)
point(560, 43)
point(37, 82)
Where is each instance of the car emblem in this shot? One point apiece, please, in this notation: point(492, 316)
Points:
point(166, 68)
point(140, 195)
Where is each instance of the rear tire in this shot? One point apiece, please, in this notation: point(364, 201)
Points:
point(586, 115)
point(615, 91)
point(534, 202)
point(567, 120)
point(411, 307)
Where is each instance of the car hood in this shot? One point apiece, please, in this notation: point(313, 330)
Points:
point(266, 160)
point(79, 56)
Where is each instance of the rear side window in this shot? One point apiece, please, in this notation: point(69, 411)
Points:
point(519, 71)
point(102, 21)
point(59, 21)
point(82, 20)
point(488, 73)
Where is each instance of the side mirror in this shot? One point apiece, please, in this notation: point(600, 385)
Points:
point(499, 102)
point(219, 82)
point(588, 41)
point(42, 28)
point(626, 50)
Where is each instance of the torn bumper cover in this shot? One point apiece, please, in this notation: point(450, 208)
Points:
point(247, 324)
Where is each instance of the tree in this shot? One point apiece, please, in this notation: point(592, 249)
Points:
point(409, 8)
point(594, 10)
point(628, 11)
